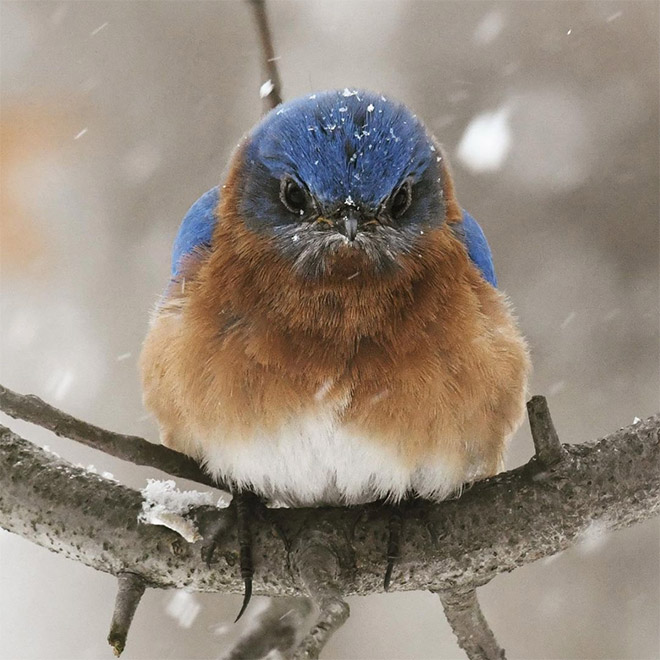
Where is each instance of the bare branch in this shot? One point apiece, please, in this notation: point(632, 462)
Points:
point(319, 567)
point(130, 590)
point(127, 447)
point(497, 525)
point(276, 628)
point(470, 626)
point(546, 441)
point(268, 61)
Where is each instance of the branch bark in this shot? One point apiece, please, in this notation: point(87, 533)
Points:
point(497, 525)
point(546, 441)
point(470, 626)
point(318, 564)
point(130, 590)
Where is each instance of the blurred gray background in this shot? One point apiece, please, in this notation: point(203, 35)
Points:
point(116, 116)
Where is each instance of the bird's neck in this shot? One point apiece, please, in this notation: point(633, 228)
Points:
point(246, 286)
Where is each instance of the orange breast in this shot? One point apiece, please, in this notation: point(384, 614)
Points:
point(428, 364)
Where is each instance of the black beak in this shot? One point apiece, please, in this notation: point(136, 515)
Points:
point(348, 224)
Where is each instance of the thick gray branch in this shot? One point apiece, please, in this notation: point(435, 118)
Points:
point(496, 526)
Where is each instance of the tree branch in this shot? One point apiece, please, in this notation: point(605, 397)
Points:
point(470, 626)
point(497, 525)
point(546, 441)
point(451, 548)
point(130, 590)
point(318, 565)
point(275, 628)
point(32, 409)
point(268, 60)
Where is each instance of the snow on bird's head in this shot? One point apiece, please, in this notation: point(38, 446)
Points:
point(343, 144)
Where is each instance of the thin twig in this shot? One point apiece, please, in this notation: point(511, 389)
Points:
point(131, 588)
point(470, 626)
point(546, 441)
point(318, 567)
point(131, 448)
point(268, 61)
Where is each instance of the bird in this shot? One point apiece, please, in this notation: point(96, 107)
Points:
point(332, 332)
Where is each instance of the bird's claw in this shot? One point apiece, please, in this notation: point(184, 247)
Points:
point(244, 508)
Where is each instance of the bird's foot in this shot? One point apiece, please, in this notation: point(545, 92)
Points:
point(393, 543)
point(215, 527)
point(245, 502)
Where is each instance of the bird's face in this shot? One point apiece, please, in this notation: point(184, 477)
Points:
point(341, 182)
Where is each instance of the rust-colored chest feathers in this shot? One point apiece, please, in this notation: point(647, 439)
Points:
point(355, 366)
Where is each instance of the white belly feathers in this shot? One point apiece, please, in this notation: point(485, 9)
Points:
point(316, 460)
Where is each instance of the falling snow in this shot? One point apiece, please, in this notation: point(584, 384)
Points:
point(557, 387)
point(489, 28)
point(266, 89)
point(60, 383)
point(486, 142)
point(184, 608)
point(565, 323)
point(93, 33)
point(593, 537)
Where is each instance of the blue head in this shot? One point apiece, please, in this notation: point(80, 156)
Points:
point(341, 175)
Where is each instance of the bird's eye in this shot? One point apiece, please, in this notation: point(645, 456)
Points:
point(293, 196)
point(401, 199)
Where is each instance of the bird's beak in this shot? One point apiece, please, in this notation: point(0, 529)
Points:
point(348, 224)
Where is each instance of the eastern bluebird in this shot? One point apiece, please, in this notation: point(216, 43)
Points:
point(332, 332)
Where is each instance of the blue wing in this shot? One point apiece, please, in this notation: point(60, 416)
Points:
point(196, 228)
point(477, 246)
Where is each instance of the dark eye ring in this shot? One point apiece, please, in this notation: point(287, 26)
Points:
point(401, 199)
point(293, 196)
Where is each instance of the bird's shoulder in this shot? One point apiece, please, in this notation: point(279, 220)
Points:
point(476, 244)
point(196, 229)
